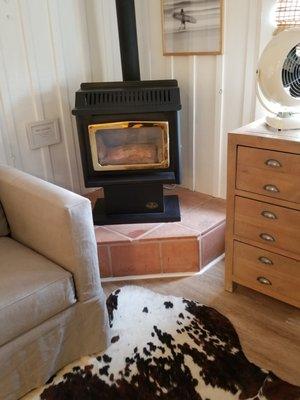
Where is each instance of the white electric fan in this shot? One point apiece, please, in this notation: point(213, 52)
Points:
point(278, 80)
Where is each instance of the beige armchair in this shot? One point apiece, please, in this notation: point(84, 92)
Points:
point(52, 306)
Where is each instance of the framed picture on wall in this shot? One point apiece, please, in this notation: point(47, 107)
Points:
point(192, 27)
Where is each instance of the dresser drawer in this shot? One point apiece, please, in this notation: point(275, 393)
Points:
point(267, 272)
point(268, 224)
point(271, 173)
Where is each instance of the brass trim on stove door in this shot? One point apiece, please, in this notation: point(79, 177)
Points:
point(164, 125)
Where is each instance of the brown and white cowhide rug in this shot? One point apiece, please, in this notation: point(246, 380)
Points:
point(166, 348)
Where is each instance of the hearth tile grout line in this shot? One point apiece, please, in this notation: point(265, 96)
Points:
point(161, 257)
point(169, 237)
point(197, 232)
point(148, 241)
point(214, 227)
point(143, 236)
point(116, 233)
point(179, 223)
point(150, 231)
point(109, 260)
point(163, 275)
point(206, 231)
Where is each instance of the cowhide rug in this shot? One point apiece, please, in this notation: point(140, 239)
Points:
point(166, 348)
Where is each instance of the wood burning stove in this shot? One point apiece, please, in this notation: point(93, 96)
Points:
point(129, 138)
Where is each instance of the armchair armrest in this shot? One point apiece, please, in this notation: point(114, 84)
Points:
point(54, 222)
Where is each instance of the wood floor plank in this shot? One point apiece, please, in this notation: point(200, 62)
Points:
point(269, 330)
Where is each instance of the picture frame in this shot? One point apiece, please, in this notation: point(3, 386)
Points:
point(192, 27)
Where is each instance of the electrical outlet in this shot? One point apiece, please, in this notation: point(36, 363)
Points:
point(43, 133)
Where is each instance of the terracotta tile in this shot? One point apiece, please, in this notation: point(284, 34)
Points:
point(188, 199)
point(206, 216)
point(180, 256)
point(133, 231)
point(186, 193)
point(106, 236)
point(213, 244)
point(171, 230)
point(104, 261)
point(135, 259)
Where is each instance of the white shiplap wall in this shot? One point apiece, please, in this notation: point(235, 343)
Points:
point(48, 47)
point(44, 56)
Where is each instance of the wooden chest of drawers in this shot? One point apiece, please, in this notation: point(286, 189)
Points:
point(263, 212)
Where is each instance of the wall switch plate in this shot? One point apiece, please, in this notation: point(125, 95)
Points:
point(43, 133)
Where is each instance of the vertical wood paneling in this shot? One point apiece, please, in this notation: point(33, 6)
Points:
point(160, 65)
point(267, 27)
point(142, 11)
point(17, 105)
point(35, 92)
point(218, 127)
point(205, 104)
point(62, 154)
point(45, 57)
point(6, 144)
point(77, 64)
point(182, 70)
point(152, 62)
point(236, 57)
point(103, 40)
point(251, 57)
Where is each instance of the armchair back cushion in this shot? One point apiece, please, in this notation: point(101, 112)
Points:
point(4, 230)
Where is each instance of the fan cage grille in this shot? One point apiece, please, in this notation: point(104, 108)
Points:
point(287, 13)
point(291, 72)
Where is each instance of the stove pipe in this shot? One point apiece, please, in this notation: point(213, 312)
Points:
point(128, 40)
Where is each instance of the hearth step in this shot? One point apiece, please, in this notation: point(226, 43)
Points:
point(162, 248)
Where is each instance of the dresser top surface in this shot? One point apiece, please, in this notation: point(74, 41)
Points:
point(259, 128)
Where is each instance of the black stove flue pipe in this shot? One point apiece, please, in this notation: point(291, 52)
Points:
point(128, 40)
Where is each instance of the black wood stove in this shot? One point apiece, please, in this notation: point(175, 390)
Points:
point(129, 138)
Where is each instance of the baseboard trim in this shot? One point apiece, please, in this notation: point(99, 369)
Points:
point(163, 275)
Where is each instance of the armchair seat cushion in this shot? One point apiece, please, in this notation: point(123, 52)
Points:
point(32, 289)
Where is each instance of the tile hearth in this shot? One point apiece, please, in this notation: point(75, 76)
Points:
point(185, 246)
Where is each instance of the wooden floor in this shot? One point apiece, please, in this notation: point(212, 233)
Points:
point(269, 330)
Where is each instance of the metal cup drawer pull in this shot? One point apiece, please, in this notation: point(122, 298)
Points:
point(267, 237)
point(273, 163)
point(268, 214)
point(264, 281)
point(271, 188)
point(265, 260)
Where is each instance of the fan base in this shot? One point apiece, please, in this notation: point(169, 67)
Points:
point(284, 124)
